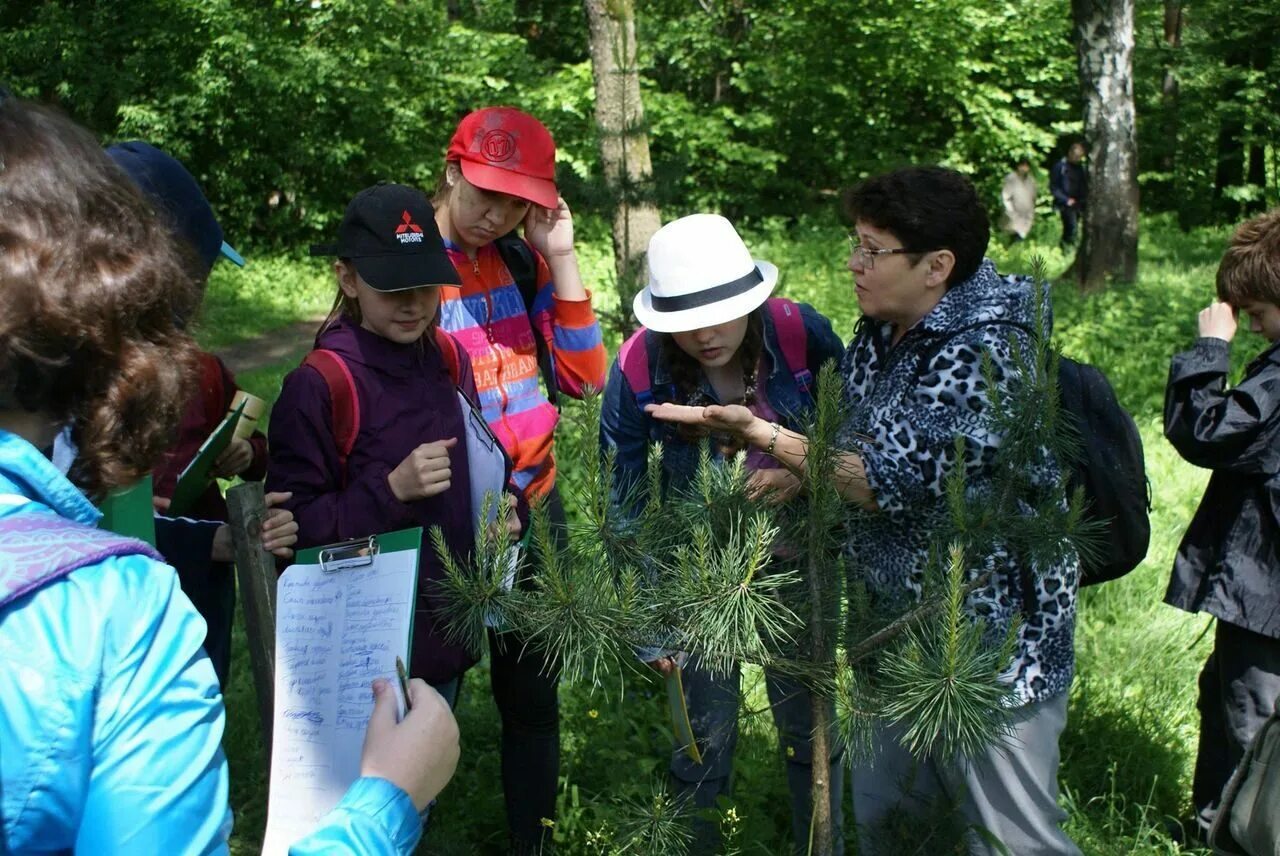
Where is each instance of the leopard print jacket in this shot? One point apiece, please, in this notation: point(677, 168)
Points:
point(903, 420)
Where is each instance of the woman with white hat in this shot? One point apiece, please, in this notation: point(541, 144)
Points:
point(713, 335)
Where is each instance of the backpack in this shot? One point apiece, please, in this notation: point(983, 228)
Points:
point(518, 256)
point(43, 548)
point(788, 325)
point(1111, 467)
point(344, 403)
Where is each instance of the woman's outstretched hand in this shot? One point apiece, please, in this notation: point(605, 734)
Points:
point(719, 419)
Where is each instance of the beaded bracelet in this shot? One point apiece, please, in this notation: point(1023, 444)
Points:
point(773, 441)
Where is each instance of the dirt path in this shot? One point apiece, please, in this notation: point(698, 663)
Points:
point(270, 347)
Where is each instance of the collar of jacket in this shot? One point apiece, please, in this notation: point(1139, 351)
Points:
point(986, 296)
point(356, 344)
point(24, 470)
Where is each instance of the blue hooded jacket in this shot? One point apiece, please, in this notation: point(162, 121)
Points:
point(111, 719)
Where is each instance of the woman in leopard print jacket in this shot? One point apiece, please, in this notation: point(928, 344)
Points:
point(932, 306)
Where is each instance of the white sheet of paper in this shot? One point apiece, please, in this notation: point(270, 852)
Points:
point(335, 633)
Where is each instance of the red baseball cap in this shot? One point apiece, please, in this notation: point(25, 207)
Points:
point(508, 151)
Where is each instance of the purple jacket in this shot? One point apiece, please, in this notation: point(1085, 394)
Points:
point(406, 398)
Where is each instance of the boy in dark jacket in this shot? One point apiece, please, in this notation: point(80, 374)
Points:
point(197, 544)
point(1228, 564)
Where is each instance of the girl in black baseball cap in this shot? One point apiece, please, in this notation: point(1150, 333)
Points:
point(370, 433)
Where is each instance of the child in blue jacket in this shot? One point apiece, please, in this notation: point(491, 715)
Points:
point(110, 716)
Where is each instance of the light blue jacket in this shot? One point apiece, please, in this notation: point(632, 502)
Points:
point(110, 715)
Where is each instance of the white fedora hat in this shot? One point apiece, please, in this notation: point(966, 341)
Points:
point(700, 275)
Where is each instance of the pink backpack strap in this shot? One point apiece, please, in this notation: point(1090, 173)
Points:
point(343, 400)
point(633, 357)
point(788, 326)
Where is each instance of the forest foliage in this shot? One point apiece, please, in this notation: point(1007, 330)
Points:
point(754, 107)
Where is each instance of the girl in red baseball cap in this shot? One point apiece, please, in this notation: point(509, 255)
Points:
point(521, 312)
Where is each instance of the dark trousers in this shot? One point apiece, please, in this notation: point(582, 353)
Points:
point(1070, 217)
point(212, 591)
point(525, 686)
point(1238, 689)
point(713, 702)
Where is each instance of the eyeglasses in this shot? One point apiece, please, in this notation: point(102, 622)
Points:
point(868, 257)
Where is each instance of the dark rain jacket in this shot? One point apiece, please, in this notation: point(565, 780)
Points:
point(1228, 563)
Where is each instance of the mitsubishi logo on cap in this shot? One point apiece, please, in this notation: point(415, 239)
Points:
point(408, 232)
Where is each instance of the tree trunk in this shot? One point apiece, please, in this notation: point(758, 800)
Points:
point(820, 708)
point(1170, 102)
point(1104, 42)
point(624, 143)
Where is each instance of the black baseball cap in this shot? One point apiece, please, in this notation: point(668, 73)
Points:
point(389, 233)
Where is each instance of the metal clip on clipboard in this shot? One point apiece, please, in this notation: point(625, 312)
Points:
point(355, 553)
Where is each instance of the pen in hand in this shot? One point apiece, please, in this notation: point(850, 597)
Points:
point(403, 676)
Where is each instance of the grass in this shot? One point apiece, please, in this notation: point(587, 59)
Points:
point(1130, 740)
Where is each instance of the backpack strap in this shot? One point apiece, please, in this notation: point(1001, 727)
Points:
point(448, 347)
point(633, 359)
point(42, 548)
point(344, 403)
point(788, 325)
point(518, 256)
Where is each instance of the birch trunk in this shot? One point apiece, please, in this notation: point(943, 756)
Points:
point(624, 143)
point(1104, 42)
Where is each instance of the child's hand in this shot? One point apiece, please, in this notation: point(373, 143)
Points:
point(550, 231)
point(279, 532)
point(1218, 321)
point(234, 460)
point(425, 472)
point(772, 486)
point(417, 754)
point(279, 529)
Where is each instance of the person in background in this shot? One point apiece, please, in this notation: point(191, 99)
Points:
point(110, 716)
point(499, 173)
point(1227, 562)
point(1019, 197)
point(1069, 185)
point(190, 545)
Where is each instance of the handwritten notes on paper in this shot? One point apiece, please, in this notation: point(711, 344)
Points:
point(335, 633)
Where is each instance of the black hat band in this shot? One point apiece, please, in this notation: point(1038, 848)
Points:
point(715, 294)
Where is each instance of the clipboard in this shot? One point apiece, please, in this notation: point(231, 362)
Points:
point(128, 511)
point(344, 614)
point(196, 475)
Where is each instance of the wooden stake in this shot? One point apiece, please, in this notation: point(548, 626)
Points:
point(256, 573)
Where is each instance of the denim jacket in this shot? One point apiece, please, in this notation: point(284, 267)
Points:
point(626, 429)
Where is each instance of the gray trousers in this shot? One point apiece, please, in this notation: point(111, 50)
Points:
point(1238, 689)
point(713, 712)
point(1010, 790)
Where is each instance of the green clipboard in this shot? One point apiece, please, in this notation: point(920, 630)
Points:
point(196, 476)
point(128, 511)
point(362, 552)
